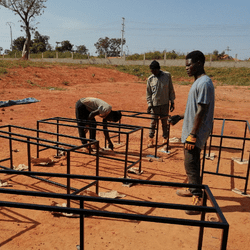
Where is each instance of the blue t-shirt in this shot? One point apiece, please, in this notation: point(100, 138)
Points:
point(201, 92)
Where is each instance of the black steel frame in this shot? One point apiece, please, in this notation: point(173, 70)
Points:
point(244, 138)
point(222, 224)
point(46, 144)
point(116, 128)
point(147, 116)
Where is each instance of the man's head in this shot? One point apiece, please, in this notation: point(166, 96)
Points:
point(114, 116)
point(155, 68)
point(195, 61)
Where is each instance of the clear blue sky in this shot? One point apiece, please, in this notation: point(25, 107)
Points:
point(178, 25)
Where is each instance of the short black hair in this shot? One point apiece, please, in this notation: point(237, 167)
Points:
point(154, 65)
point(196, 56)
point(115, 115)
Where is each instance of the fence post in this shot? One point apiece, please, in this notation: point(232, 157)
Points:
point(42, 55)
point(144, 58)
point(164, 57)
point(57, 55)
point(72, 55)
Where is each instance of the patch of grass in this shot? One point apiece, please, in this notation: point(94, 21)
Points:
point(33, 84)
point(221, 76)
point(184, 83)
point(3, 71)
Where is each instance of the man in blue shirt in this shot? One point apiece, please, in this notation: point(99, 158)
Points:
point(197, 124)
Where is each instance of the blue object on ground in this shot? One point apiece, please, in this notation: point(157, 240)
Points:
point(17, 102)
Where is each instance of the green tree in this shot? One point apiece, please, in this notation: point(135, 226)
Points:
point(27, 10)
point(111, 47)
point(65, 46)
point(81, 49)
point(19, 43)
point(40, 43)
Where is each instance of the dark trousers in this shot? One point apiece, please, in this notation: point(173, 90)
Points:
point(82, 114)
point(161, 110)
point(192, 167)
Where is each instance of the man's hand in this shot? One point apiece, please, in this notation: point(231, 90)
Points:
point(174, 119)
point(149, 109)
point(171, 107)
point(111, 146)
point(190, 142)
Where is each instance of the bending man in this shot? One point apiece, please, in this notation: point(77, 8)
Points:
point(89, 107)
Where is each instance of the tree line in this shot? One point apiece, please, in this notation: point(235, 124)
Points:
point(111, 47)
point(28, 10)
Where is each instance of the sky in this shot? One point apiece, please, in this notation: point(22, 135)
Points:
point(155, 25)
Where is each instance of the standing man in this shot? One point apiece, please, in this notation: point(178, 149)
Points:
point(197, 124)
point(160, 92)
point(89, 107)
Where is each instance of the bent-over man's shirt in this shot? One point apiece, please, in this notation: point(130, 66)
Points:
point(93, 104)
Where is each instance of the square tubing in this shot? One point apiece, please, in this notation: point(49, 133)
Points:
point(126, 156)
point(135, 115)
point(29, 156)
point(224, 238)
point(68, 179)
point(29, 142)
point(222, 132)
point(10, 147)
point(247, 176)
point(203, 213)
point(81, 226)
point(244, 141)
point(140, 157)
point(222, 224)
point(124, 126)
point(156, 137)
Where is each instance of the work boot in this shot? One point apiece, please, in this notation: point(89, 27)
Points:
point(197, 201)
point(184, 193)
point(93, 147)
point(150, 142)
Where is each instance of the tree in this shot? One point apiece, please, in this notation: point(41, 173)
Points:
point(115, 46)
point(27, 10)
point(65, 46)
point(40, 43)
point(108, 46)
point(6, 51)
point(19, 43)
point(81, 49)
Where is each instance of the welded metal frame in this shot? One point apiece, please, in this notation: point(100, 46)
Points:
point(48, 144)
point(148, 116)
point(116, 128)
point(222, 224)
point(244, 138)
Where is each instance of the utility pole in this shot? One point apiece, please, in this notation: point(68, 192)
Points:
point(123, 25)
point(11, 45)
point(227, 49)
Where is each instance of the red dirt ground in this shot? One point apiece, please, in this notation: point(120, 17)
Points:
point(58, 88)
